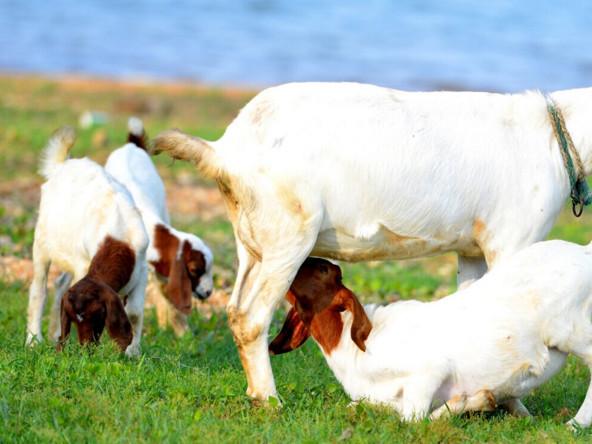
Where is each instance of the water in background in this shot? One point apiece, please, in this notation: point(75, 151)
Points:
point(410, 44)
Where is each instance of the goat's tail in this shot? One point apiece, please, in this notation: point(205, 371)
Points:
point(56, 151)
point(136, 133)
point(179, 145)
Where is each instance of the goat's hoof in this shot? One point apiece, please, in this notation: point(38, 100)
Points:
point(33, 340)
point(573, 425)
point(133, 351)
point(271, 401)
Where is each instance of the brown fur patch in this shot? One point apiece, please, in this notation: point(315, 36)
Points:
point(167, 245)
point(181, 281)
point(113, 263)
point(141, 141)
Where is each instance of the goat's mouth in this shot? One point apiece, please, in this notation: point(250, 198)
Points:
point(201, 294)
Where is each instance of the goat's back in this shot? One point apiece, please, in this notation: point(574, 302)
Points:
point(133, 167)
point(80, 206)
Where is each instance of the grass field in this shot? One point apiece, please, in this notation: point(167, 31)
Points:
point(192, 389)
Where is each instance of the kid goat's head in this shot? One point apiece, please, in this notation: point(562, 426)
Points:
point(91, 305)
point(318, 297)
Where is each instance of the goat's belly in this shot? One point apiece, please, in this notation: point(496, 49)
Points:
point(385, 244)
point(525, 378)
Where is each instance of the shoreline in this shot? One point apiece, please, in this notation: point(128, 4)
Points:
point(95, 83)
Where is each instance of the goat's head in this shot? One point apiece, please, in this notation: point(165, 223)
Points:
point(198, 260)
point(318, 297)
point(188, 266)
point(92, 305)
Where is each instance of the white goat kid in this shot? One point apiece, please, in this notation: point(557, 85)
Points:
point(357, 172)
point(486, 345)
point(82, 209)
point(180, 263)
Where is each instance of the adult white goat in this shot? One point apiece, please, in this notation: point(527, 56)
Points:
point(358, 172)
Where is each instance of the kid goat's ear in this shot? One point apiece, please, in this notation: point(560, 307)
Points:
point(116, 320)
point(178, 288)
point(361, 325)
point(292, 335)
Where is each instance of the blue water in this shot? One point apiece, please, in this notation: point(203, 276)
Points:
point(422, 44)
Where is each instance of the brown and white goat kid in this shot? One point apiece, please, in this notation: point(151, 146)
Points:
point(90, 228)
point(180, 263)
point(357, 172)
point(486, 345)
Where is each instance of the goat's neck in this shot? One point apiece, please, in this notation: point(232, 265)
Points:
point(112, 264)
point(346, 358)
point(576, 106)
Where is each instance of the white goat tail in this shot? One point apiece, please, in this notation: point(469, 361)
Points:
point(56, 151)
point(192, 149)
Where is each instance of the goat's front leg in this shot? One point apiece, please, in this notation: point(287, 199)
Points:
point(482, 401)
point(134, 308)
point(37, 295)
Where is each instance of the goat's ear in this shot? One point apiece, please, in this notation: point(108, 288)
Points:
point(361, 325)
point(292, 335)
point(118, 325)
point(178, 289)
point(66, 324)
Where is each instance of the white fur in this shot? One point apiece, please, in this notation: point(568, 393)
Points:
point(507, 334)
point(133, 167)
point(80, 206)
point(358, 172)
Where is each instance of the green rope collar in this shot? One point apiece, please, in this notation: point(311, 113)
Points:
point(580, 192)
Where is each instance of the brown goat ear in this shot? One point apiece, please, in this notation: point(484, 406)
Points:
point(118, 325)
point(178, 288)
point(292, 335)
point(361, 325)
point(66, 324)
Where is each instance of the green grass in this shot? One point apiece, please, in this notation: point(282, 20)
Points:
point(192, 389)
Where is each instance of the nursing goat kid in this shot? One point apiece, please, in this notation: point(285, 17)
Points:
point(180, 264)
point(90, 228)
point(357, 172)
point(486, 345)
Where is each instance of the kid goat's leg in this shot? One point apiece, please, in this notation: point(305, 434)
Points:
point(134, 308)
point(62, 283)
point(37, 295)
point(482, 401)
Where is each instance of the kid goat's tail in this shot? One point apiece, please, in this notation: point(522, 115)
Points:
point(56, 151)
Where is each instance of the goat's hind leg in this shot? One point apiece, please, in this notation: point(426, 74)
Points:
point(482, 401)
point(259, 287)
point(583, 417)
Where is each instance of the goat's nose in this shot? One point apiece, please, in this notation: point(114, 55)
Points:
point(208, 293)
